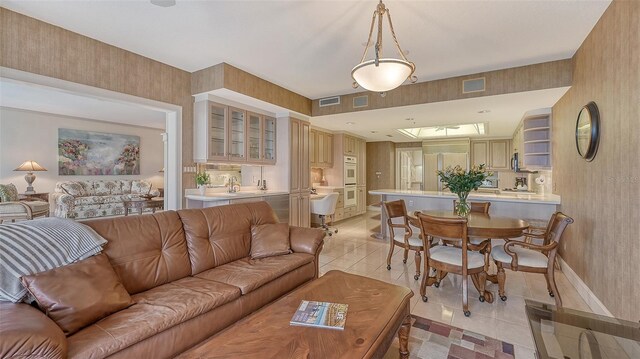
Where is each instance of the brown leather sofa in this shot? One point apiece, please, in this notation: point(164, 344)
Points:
point(189, 273)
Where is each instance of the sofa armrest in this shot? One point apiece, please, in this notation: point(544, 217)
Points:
point(62, 204)
point(306, 240)
point(28, 333)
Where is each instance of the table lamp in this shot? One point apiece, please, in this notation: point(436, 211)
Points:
point(30, 167)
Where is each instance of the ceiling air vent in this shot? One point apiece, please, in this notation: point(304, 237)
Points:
point(473, 85)
point(361, 101)
point(329, 101)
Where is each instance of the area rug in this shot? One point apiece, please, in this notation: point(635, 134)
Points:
point(432, 340)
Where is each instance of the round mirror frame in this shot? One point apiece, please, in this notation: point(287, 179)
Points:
point(594, 135)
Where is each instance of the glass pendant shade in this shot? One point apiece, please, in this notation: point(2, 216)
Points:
point(386, 76)
point(382, 74)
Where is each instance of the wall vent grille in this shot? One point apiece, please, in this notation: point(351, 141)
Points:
point(473, 85)
point(329, 101)
point(361, 101)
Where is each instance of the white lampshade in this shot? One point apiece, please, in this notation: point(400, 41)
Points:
point(389, 74)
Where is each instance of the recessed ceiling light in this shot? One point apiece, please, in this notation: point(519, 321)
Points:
point(351, 123)
point(389, 136)
point(484, 111)
point(374, 131)
point(409, 119)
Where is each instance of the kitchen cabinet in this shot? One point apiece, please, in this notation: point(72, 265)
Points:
point(269, 140)
point(313, 148)
point(300, 183)
point(362, 200)
point(224, 134)
point(495, 154)
point(237, 133)
point(361, 166)
point(349, 145)
point(499, 155)
point(321, 149)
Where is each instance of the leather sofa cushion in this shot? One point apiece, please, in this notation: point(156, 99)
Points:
point(270, 240)
point(145, 251)
point(155, 311)
point(249, 274)
point(78, 294)
point(26, 333)
point(219, 235)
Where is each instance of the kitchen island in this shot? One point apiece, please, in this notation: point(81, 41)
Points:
point(535, 208)
point(278, 200)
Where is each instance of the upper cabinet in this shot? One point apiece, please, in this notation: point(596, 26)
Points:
point(229, 134)
point(321, 149)
point(349, 146)
point(237, 132)
point(269, 140)
point(495, 154)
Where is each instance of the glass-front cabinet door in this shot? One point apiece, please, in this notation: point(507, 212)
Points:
point(269, 140)
point(217, 133)
point(237, 128)
point(254, 139)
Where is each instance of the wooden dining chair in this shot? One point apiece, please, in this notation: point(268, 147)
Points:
point(401, 234)
point(533, 258)
point(476, 207)
point(460, 260)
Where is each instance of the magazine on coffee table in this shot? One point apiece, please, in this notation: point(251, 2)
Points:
point(320, 315)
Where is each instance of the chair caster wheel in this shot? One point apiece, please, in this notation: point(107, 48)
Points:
point(404, 261)
point(436, 284)
point(330, 234)
point(551, 294)
point(388, 267)
point(425, 298)
point(336, 231)
point(467, 313)
point(503, 298)
point(481, 298)
point(416, 277)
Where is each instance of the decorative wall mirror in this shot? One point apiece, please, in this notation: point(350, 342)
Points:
point(588, 131)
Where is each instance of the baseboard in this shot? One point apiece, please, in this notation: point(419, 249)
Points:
point(585, 292)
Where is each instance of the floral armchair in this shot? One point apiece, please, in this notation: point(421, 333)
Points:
point(89, 199)
point(11, 208)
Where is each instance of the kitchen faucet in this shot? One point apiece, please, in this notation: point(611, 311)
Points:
point(233, 182)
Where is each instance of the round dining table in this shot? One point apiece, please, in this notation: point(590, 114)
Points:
point(484, 225)
point(480, 225)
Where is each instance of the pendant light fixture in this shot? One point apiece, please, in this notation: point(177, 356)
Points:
point(382, 74)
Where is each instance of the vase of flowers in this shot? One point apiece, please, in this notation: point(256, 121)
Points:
point(461, 183)
point(202, 179)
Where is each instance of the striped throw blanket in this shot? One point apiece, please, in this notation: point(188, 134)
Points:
point(40, 245)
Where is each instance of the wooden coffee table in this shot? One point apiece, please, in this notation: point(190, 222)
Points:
point(377, 311)
point(141, 204)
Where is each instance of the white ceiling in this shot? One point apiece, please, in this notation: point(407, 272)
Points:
point(310, 46)
point(503, 118)
point(45, 99)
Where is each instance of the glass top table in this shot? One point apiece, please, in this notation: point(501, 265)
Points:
point(571, 334)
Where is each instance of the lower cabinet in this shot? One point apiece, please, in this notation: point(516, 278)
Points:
point(361, 198)
point(299, 210)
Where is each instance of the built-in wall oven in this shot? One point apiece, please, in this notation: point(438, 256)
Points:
point(350, 180)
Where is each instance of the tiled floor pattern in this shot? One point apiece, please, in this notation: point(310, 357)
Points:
point(434, 340)
point(353, 250)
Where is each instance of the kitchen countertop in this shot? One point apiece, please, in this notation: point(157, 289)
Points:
point(328, 187)
point(224, 196)
point(494, 197)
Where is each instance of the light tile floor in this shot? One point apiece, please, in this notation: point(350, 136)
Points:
point(353, 250)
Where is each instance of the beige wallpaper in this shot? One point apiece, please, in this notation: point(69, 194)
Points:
point(603, 245)
point(35, 46)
